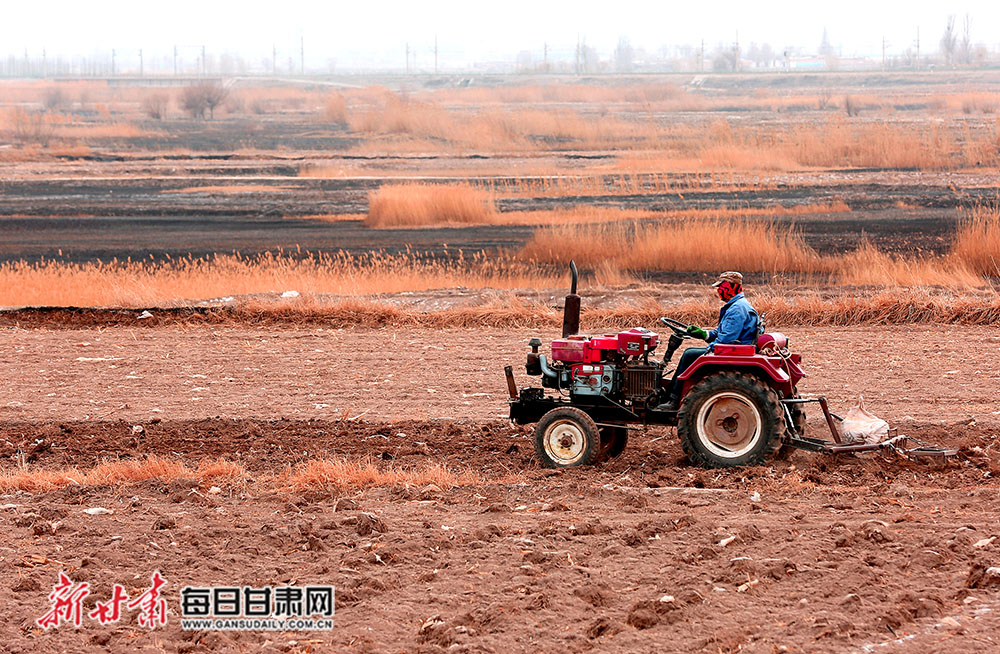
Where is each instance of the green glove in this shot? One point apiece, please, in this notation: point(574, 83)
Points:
point(697, 332)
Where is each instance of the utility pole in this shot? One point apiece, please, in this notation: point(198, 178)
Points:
point(578, 54)
point(545, 56)
point(917, 64)
point(407, 58)
point(435, 54)
point(45, 68)
point(204, 64)
point(274, 59)
point(175, 61)
point(112, 62)
point(302, 55)
point(140, 62)
point(883, 54)
point(736, 53)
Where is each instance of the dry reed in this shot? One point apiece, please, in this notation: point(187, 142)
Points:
point(867, 266)
point(418, 205)
point(685, 245)
point(977, 242)
point(173, 281)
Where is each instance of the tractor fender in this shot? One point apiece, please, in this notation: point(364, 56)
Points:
point(771, 373)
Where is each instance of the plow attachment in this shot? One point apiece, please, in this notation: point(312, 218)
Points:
point(899, 443)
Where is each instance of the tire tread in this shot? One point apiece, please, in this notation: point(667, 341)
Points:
point(590, 455)
point(729, 380)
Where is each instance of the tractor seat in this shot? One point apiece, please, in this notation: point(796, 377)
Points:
point(772, 344)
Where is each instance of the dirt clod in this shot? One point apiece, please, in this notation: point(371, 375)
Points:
point(368, 523)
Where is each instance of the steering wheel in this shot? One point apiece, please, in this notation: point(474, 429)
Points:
point(677, 326)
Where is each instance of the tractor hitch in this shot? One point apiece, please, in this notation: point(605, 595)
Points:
point(895, 442)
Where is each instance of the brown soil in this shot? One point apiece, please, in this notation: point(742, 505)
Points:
point(908, 374)
point(835, 555)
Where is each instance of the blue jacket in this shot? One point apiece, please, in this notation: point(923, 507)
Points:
point(737, 323)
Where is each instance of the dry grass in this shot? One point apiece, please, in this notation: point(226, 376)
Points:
point(110, 473)
point(399, 124)
point(101, 131)
point(338, 475)
point(861, 306)
point(968, 103)
point(430, 124)
point(977, 243)
point(867, 266)
point(423, 205)
point(637, 121)
point(418, 205)
point(149, 283)
point(737, 241)
point(610, 243)
point(336, 109)
point(684, 245)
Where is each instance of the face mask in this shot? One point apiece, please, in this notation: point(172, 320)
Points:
point(727, 291)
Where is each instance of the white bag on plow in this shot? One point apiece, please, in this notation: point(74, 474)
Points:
point(860, 426)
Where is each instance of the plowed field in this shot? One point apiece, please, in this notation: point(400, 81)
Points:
point(642, 553)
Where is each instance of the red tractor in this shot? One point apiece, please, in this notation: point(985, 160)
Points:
point(739, 403)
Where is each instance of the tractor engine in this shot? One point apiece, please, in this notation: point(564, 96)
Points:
point(616, 366)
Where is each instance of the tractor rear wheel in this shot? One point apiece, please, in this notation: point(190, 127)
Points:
point(730, 419)
point(567, 437)
point(613, 442)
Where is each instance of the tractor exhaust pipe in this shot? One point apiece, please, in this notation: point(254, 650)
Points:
point(571, 310)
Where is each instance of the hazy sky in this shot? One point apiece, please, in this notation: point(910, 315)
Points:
point(468, 30)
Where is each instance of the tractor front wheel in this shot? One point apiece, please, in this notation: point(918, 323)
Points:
point(567, 437)
point(730, 419)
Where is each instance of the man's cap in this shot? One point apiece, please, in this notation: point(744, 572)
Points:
point(730, 276)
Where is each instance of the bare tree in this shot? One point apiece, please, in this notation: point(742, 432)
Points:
point(155, 105)
point(30, 127)
point(761, 55)
point(851, 106)
point(726, 59)
point(965, 45)
point(54, 99)
point(828, 52)
point(825, 49)
point(948, 41)
point(196, 100)
point(215, 94)
point(624, 56)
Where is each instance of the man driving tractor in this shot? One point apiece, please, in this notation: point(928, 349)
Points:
point(738, 323)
